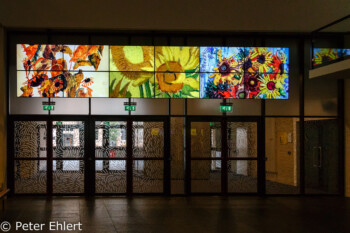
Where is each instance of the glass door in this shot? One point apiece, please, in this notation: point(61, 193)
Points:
point(49, 156)
point(223, 155)
point(130, 156)
point(148, 156)
point(206, 157)
point(321, 156)
point(110, 157)
point(68, 156)
point(242, 159)
point(29, 170)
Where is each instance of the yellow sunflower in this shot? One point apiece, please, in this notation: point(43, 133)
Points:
point(271, 84)
point(261, 59)
point(129, 59)
point(325, 55)
point(172, 64)
point(224, 72)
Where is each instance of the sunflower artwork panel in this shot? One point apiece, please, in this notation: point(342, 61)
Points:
point(132, 72)
point(122, 86)
point(266, 60)
point(221, 71)
point(223, 60)
point(93, 84)
point(214, 88)
point(272, 86)
point(252, 86)
point(132, 58)
point(323, 56)
point(244, 73)
point(155, 72)
point(37, 63)
point(24, 90)
point(32, 57)
point(87, 57)
point(177, 72)
point(266, 73)
point(47, 73)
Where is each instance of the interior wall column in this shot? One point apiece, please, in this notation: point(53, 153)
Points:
point(347, 138)
point(3, 112)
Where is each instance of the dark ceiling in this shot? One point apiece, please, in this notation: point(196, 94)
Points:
point(184, 15)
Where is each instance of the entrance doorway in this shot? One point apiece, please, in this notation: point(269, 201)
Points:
point(223, 155)
point(130, 156)
point(322, 159)
point(49, 156)
point(90, 156)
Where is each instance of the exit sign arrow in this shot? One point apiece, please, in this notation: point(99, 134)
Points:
point(48, 107)
point(226, 107)
point(130, 108)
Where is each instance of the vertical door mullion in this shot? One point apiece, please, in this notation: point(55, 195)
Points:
point(261, 155)
point(188, 157)
point(166, 157)
point(341, 136)
point(49, 154)
point(11, 156)
point(129, 159)
point(89, 152)
point(224, 156)
point(92, 130)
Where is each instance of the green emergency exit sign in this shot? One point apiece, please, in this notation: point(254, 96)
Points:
point(225, 108)
point(48, 107)
point(130, 107)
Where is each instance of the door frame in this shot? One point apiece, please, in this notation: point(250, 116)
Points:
point(49, 119)
point(224, 152)
point(89, 151)
point(129, 119)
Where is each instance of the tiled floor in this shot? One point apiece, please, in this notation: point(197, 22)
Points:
point(186, 214)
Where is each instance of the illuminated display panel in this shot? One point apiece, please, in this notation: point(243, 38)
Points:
point(67, 84)
point(177, 59)
point(132, 58)
point(131, 85)
point(152, 72)
point(244, 73)
point(177, 72)
point(221, 59)
point(322, 56)
point(87, 57)
point(62, 71)
point(266, 60)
